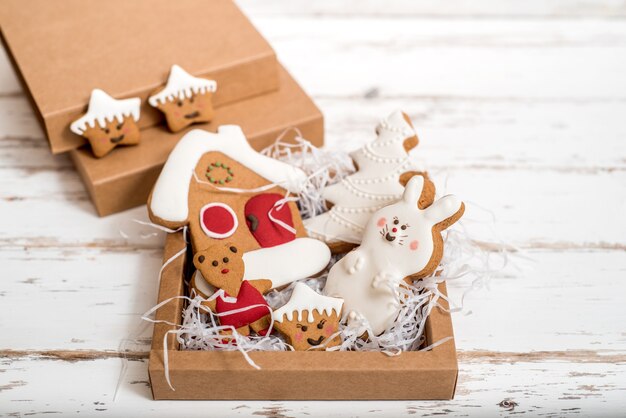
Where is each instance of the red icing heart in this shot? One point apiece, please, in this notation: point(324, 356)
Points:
point(218, 220)
point(265, 231)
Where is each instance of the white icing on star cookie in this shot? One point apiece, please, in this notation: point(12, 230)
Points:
point(303, 299)
point(397, 242)
point(104, 108)
point(170, 194)
point(375, 185)
point(181, 85)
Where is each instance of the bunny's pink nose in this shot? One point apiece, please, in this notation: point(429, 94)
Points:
point(394, 230)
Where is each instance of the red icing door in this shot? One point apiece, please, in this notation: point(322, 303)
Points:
point(267, 232)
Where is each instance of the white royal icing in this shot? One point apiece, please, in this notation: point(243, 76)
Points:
point(373, 186)
point(303, 299)
point(286, 263)
point(181, 85)
point(366, 277)
point(103, 109)
point(170, 194)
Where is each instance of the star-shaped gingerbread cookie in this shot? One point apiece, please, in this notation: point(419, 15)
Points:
point(108, 123)
point(185, 99)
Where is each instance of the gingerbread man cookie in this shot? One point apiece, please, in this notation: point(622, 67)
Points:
point(222, 189)
point(185, 99)
point(222, 266)
point(108, 123)
point(383, 169)
point(309, 319)
point(400, 242)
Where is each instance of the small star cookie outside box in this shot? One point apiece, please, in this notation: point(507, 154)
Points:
point(108, 123)
point(185, 99)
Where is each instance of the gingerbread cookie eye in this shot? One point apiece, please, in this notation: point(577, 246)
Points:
point(201, 259)
point(320, 325)
point(233, 249)
point(218, 220)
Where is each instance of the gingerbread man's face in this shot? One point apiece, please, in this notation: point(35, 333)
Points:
point(303, 335)
point(181, 113)
point(222, 266)
point(114, 133)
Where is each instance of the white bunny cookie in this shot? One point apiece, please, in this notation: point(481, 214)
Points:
point(400, 241)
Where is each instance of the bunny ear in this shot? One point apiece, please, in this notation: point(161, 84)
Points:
point(413, 190)
point(443, 209)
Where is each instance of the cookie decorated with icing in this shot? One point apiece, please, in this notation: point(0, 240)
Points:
point(383, 169)
point(240, 303)
point(185, 99)
point(309, 319)
point(225, 191)
point(400, 242)
point(108, 123)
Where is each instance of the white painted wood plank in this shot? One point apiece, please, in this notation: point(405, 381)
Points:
point(36, 386)
point(532, 208)
point(455, 132)
point(444, 57)
point(511, 9)
point(92, 299)
point(77, 298)
point(355, 56)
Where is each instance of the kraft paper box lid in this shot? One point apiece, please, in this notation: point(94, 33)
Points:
point(63, 49)
point(123, 179)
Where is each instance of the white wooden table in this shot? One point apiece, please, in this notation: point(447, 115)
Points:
point(521, 108)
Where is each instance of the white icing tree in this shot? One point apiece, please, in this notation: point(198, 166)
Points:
point(375, 184)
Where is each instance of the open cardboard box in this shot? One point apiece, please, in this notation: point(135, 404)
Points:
point(124, 178)
point(294, 375)
point(61, 50)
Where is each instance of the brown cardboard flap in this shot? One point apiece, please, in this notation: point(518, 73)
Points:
point(63, 49)
point(123, 179)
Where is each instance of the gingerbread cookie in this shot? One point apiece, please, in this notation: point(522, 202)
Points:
point(108, 123)
point(219, 186)
point(383, 169)
point(185, 99)
point(309, 319)
point(241, 304)
point(400, 242)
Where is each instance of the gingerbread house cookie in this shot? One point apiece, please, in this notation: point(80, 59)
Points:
point(222, 189)
point(185, 99)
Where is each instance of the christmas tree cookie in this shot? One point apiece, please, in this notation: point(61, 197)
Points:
point(383, 167)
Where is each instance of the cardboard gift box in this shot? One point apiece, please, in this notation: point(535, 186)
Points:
point(63, 49)
point(124, 178)
point(293, 375)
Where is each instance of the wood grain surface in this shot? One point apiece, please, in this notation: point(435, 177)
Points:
point(521, 111)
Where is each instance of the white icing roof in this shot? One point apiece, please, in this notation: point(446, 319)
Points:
point(170, 194)
point(181, 84)
point(104, 108)
point(304, 298)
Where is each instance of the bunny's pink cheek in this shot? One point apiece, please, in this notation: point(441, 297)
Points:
point(299, 336)
point(125, 131)
point(329, 330)
point(414, 245)
point(381, 222)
